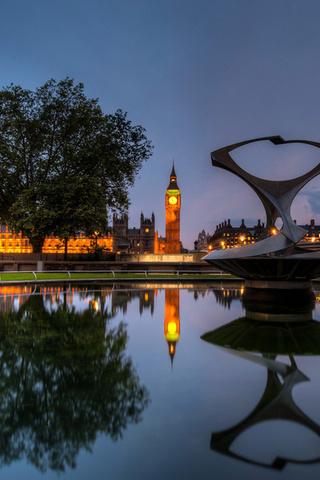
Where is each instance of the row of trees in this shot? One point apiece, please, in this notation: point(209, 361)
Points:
point(64, 165)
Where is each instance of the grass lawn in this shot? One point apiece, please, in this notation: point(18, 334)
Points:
point(24, 276)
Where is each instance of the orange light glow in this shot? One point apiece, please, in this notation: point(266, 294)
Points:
point(95, 305)
point(172, 327)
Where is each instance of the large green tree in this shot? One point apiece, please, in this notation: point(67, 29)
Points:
point(64, 165)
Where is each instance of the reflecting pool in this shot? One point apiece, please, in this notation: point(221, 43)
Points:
point(154, 382)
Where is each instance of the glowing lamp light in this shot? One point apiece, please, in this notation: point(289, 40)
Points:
point(274, 231)
point(242, 238)
point(312, 239)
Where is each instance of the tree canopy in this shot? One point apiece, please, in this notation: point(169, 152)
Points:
point(64, 165)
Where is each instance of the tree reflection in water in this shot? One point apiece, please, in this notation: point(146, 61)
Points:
point(64, 379)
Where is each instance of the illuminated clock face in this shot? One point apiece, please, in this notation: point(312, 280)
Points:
point(172, 200)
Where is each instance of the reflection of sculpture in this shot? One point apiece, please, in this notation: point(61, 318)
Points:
point(243, 336)
point(172, 320)
point(276, 197)
point(64, 379)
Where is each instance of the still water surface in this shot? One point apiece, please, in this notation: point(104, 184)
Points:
point(117, 383)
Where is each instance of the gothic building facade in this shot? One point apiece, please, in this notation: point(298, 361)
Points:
point(134, 240)
point(173, 207)
point(145, 239)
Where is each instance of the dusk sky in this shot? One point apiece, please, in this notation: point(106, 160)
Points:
point(197, 75)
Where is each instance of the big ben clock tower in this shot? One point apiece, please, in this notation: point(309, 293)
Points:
point(173, 205)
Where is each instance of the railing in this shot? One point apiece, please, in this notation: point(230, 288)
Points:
point(18, 276)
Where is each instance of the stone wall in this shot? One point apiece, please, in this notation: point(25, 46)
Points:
point(164, 258)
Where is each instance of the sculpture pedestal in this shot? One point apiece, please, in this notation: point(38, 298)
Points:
point(279, 285)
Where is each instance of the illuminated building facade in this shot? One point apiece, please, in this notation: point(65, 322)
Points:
point(227, 236)
point(17, 243)
point(11, 243)
point(313, 235)
point(79, 244)
point(173, 207)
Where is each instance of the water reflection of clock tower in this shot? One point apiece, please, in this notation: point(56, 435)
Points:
point(173, 206)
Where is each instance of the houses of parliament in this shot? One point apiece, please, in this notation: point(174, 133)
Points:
point(142, 240)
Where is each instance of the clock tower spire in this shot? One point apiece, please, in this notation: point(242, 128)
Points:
point(173, 206)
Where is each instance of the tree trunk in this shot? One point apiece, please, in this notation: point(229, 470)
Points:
point(37, 244)
point(66, 248)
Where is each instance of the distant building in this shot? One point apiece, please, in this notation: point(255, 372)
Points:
point(227, 236)
point(134, 240)
point(313, 236)
point(201, 245)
